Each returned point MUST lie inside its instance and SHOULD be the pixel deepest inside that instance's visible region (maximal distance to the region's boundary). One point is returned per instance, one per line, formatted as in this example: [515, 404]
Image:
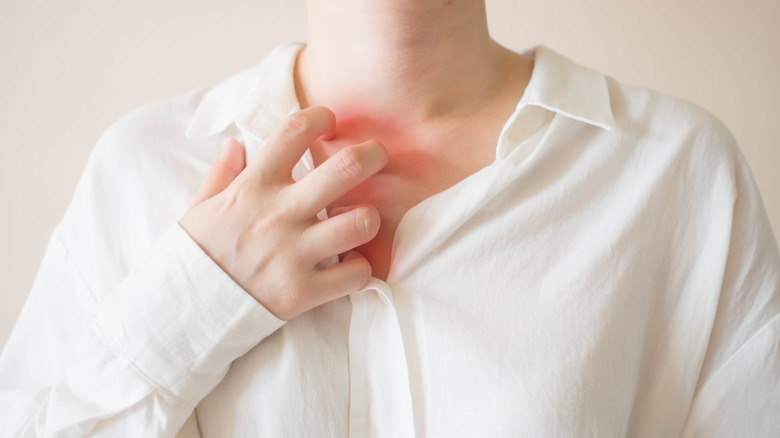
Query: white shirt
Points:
[611, 273]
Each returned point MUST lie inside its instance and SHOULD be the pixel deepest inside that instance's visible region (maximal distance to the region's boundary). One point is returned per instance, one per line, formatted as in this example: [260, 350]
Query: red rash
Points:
[393, 190]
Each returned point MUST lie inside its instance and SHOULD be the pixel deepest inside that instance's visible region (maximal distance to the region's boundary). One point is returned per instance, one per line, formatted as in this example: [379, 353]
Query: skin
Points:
[414, 86]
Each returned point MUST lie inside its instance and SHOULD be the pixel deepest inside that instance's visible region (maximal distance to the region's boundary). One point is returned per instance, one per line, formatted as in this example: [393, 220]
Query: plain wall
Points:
[69, 68]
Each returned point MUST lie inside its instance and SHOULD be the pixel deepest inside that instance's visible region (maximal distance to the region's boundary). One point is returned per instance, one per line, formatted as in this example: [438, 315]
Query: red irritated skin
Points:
[425, 79]
[393, 190]
[426, 155]
[388, 190]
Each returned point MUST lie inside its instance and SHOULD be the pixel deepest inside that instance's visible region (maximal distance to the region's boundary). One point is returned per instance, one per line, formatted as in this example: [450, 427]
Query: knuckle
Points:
[351, 162]
[237, 194]
[231, 198]
[261, 174]
[297, 124]
[289, 205]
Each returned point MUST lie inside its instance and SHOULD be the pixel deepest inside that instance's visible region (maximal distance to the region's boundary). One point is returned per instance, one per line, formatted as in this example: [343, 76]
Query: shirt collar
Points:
[568, 88]
[259, 98]
[256, 100]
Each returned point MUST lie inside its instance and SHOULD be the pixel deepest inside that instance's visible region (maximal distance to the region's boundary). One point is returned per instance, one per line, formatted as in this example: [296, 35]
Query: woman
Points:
[450, 239]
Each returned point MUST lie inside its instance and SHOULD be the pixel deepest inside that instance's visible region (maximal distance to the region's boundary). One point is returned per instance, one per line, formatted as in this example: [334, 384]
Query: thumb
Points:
[223, 171]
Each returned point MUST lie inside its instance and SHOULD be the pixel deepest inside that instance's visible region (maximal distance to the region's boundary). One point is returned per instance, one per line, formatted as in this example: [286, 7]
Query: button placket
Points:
[380, 398]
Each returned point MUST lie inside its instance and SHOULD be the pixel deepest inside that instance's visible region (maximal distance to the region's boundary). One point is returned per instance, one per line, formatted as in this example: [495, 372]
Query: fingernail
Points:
[368, 221]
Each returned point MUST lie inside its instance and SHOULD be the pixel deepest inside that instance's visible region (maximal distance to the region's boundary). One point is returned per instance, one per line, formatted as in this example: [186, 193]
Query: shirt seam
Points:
[109, 342]
[739, 350]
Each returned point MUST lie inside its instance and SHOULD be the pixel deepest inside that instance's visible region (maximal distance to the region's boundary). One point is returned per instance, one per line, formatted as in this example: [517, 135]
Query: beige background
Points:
[69, 68]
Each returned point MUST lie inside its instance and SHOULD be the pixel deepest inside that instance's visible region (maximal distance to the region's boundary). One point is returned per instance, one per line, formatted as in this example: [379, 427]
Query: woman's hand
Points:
[261, 228]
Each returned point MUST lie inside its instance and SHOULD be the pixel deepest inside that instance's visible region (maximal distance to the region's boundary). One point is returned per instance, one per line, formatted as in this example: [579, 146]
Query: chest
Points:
[495, 351]
[417, 169]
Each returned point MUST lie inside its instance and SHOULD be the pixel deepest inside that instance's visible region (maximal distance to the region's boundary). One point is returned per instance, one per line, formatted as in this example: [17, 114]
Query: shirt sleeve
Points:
[738, 393]
[135, 364]
[129, 323]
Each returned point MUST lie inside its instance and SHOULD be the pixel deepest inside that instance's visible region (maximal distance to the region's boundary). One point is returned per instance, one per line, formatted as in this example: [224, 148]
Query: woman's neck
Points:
[409, 61]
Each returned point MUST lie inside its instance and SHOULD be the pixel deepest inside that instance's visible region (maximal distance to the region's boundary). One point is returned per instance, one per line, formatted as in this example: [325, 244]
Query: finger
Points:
[341, 279]
[338, 175]
[341, 233]
[285, 147]
[335, 211]
[223, 171]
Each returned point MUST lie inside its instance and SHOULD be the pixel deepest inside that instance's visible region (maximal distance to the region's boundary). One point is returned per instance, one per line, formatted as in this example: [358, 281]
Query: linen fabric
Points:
[611, 273]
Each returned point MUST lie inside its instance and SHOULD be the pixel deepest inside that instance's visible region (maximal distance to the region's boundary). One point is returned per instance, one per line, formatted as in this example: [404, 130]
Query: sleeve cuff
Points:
[181, 320]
